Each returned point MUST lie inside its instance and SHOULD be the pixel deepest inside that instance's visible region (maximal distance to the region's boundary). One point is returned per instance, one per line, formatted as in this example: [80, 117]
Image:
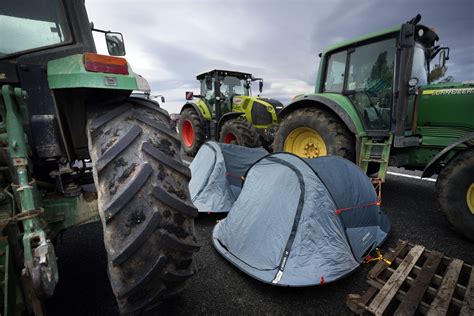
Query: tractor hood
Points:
[439, 115]
[261, 112]
[450, 85]
[275, 103]
[244, 101]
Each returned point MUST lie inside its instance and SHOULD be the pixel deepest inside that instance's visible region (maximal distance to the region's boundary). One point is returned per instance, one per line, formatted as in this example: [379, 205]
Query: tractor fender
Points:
[312, 100]
[190, 105]
[69, 72]
[200, 107]
[430, 168]
[226, 117]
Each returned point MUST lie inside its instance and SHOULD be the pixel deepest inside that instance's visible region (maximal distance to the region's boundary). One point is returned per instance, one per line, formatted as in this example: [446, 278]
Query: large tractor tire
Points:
[455, 190]
[143, 199]
[239, 132]
[190, 132]
[312, 132]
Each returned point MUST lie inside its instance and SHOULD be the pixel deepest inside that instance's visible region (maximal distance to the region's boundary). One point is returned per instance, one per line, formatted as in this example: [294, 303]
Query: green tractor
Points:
[374, 105]
[226, 111]
[76, 148]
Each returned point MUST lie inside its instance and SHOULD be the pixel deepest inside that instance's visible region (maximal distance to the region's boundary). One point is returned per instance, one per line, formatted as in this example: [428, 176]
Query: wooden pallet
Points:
[418, 282]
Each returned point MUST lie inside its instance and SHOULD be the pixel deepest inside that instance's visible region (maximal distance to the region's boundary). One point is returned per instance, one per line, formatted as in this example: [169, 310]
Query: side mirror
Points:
[115, 44]
[260, 86]
[189, 95]
[413, 86]
[208, 83]
[162, 99]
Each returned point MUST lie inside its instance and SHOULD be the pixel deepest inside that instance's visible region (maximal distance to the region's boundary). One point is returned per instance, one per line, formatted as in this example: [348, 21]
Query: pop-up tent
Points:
[216, 175]
[301, 222]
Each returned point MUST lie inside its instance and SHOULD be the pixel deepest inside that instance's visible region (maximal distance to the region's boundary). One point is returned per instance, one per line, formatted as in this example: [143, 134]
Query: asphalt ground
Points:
[221, 289]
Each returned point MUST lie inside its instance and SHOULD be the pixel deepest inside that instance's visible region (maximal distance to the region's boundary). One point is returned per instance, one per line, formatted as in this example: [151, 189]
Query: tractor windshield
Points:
[234, 86]
[27, 25]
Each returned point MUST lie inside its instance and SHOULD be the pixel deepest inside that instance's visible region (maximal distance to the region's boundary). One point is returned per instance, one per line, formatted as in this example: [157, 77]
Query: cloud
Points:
[170, 42]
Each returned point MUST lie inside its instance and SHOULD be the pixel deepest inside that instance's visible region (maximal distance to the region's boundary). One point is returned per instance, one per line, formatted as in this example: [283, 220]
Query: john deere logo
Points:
[449, 91]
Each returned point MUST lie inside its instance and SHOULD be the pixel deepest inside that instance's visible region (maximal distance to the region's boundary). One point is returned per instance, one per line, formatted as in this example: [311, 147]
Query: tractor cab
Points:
[380, 74]
[219, 87]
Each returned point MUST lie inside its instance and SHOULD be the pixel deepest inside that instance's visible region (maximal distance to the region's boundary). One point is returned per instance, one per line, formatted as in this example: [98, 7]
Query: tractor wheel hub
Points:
[311, 150]
[305, 142]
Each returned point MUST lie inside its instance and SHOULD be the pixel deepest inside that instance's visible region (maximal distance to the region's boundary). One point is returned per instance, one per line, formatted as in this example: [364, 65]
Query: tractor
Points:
[77, 148]
[227, 112]
[375, 105]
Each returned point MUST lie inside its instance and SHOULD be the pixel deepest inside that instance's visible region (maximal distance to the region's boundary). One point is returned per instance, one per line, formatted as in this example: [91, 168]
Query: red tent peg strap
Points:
[339, 211]
[378, 188]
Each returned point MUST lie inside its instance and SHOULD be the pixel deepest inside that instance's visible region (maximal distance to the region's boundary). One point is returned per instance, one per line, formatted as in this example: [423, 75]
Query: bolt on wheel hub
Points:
[311, 150]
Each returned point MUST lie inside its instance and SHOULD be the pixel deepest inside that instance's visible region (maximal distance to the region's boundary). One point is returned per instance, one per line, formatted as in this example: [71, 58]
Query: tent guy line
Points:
[410, 176]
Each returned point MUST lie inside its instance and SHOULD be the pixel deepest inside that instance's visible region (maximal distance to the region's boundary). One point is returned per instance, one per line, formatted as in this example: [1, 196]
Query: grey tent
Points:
[301, 222]
[216, 173]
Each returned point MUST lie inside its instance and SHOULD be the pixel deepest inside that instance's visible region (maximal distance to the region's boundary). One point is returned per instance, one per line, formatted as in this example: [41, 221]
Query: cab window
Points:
[209, 95]
[335, 72]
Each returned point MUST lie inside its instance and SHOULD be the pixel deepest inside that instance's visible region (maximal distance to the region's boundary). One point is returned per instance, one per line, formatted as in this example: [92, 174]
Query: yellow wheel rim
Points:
[470, 198]
[306, 143]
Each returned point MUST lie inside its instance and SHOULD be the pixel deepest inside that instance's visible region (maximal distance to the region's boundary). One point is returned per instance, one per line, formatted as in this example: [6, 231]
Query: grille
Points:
[260, 115]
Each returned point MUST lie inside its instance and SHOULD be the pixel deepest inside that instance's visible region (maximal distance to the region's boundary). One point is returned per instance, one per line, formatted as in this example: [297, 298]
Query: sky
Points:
[169, 42]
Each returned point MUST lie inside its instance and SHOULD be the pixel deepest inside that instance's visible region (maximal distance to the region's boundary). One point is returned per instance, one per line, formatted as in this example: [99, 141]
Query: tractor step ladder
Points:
[375, 152]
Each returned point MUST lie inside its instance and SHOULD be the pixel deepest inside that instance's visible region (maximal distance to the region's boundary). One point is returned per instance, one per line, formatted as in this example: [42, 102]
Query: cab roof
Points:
[357, 40]
[221, 72]
[380, 34]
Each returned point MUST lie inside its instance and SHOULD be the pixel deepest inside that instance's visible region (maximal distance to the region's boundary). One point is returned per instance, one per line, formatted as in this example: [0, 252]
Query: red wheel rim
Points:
[187, 133]
[229, 138]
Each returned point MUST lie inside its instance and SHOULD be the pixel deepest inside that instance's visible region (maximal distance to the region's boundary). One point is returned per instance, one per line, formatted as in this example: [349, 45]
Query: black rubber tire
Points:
[339, 140]
[193, 117]
[451, 188]
[143, 201]
[245, 133]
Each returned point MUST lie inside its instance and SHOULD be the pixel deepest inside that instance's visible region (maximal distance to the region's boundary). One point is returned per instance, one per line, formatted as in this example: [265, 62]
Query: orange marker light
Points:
[103, 63]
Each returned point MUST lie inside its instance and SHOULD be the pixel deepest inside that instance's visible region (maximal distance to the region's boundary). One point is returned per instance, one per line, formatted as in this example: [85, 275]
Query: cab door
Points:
[369, 83]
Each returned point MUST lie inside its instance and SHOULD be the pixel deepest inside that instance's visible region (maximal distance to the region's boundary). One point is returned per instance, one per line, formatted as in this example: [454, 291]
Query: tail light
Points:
[103, 63]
